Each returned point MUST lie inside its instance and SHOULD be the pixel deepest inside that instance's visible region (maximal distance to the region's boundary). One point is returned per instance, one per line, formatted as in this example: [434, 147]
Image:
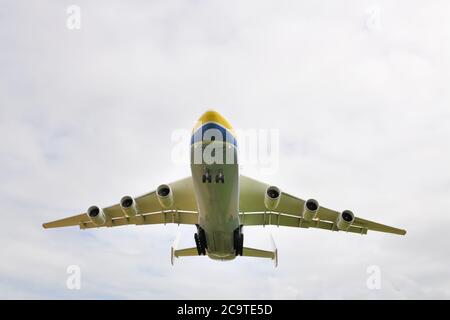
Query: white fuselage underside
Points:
[218, 203]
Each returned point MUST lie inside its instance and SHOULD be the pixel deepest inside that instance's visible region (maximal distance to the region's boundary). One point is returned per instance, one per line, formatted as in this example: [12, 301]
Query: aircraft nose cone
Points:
[214, 116]
[210, 115]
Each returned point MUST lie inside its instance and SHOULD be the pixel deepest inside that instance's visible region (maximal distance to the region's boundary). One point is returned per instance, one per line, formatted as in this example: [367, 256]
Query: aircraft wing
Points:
[290, 210]
[183, 211]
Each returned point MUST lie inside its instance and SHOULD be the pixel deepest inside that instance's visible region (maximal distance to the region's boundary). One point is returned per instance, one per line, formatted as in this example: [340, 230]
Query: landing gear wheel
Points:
[238, 242]
[206, 176]
[241, 245]
[200, 241]
[202, 238]
[197, 244]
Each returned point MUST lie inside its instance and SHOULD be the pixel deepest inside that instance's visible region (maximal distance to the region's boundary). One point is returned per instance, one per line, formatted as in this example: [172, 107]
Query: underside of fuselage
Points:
[215, 175]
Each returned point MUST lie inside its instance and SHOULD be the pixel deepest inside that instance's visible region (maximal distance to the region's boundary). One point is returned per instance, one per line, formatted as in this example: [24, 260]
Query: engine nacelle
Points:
[272, 198]
[345, 220]
[165, 196]
[96, 215]
[310, 209]
[129, 206]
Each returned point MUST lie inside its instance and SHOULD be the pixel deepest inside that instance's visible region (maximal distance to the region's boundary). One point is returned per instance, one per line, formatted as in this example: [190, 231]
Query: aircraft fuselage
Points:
[215, 175]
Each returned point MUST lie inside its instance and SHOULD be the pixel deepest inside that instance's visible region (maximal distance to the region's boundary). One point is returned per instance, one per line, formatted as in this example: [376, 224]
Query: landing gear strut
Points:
[200, 241]
[238, 241]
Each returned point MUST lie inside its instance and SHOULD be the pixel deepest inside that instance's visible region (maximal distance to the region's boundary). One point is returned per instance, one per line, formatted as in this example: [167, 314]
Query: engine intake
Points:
[129, 206]
[310, 209]
[96, 215]
[345, 220]
[165, 196]
[272, 198]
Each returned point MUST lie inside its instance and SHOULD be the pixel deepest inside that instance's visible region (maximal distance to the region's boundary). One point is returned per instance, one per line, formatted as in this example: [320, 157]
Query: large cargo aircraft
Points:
[219, 202]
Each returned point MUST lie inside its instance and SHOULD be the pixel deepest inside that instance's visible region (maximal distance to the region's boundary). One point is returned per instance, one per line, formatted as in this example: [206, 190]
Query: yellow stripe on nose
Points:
[213, 116]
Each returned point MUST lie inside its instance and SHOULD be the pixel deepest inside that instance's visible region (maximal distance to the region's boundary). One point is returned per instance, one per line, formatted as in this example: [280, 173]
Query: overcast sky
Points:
[359, 91]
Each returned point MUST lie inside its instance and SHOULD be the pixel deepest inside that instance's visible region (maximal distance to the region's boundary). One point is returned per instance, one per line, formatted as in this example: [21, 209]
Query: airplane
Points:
[219, 202]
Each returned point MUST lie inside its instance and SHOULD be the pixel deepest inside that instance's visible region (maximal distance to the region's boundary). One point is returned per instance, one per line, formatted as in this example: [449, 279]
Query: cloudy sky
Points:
[357, 89]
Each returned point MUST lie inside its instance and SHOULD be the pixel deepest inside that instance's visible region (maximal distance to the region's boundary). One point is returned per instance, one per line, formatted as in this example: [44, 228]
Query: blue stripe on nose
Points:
[226, 135]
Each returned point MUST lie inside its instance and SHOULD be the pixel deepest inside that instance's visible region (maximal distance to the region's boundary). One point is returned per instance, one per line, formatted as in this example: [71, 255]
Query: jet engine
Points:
[345, 220]
[165, 196]
[129, 206]
[96, 215]
[272, 198]
[310, 209]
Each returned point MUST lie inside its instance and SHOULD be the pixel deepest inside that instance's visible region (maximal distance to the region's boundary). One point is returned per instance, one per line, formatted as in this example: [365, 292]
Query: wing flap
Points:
[165, 217]
[162, 217]
[279, 219]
